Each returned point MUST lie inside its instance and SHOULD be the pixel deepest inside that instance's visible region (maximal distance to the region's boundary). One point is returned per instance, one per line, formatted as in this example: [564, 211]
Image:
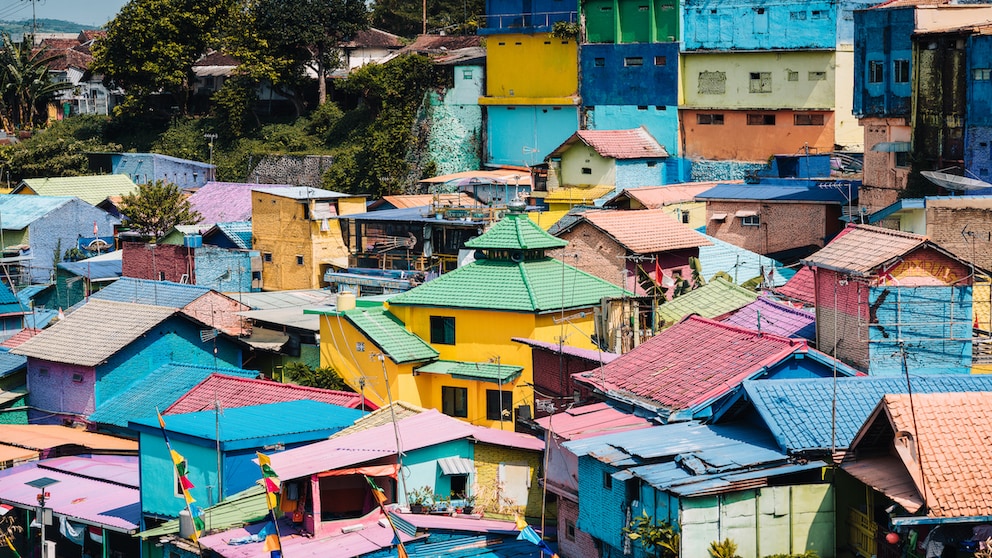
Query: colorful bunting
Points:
[182, 473]
[527, 533]
[380, 497]
[273, 545]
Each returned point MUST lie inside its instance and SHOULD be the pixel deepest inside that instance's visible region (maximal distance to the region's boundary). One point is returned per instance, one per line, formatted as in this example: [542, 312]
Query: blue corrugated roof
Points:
[94, 269]
[154, 293]
[10, 304]
[907, 203]
[243, 427]
[19, 210]
[159, 389]
[39, 319]
[28, 292]
[11, 363]
[829, 192]
[238, 231]
[798, 412]
[739, 263]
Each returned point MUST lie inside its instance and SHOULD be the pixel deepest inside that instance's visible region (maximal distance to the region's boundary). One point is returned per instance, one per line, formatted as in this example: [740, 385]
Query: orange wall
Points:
[735, 140]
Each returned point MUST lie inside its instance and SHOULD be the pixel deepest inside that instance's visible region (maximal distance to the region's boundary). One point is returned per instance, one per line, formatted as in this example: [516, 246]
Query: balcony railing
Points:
[523, 21]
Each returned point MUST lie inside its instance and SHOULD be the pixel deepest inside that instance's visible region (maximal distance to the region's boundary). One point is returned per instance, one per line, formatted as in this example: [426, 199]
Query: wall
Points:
[513, 60]
[940, 101]
[803, 93]
[281, 229]
[715, 171]
[56, 392]
[421, 469]
[736, 140]
[880, 169]
[841, 318]
[488, 458]
[296, 170]
[946, 220]
[61, 228]
[594, 252]
[167, 262]
[147, 167]
[978, 123]
[784, 226]
[351, 354]
[627, 21]
[526, 16]
[158, 484]
[430, 396]
[581, 545]
[225, 270]
[601, 509]
[454, 140]
[635, 74]
[661, 121]
[525, 135]
[632, 173]
[754, 25]
[578, 158]
[219, 311]
[847, 131]
[882, 36]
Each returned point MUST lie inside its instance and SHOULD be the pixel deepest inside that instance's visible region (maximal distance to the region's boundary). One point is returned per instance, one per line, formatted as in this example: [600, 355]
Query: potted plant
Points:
[469, 506]
[441, 503]
[420, 499]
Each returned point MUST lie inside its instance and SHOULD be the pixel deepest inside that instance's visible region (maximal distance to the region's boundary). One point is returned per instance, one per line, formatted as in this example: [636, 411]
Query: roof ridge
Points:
[891, 232]
[792, 342]
[228, 377]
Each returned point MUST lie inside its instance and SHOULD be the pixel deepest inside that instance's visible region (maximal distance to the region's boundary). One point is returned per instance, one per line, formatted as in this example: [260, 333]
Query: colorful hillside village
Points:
[672, 293]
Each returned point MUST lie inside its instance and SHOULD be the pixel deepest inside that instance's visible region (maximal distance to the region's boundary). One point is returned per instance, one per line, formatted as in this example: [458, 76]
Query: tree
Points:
[59, 150]
[156, 208]
[323, 378]
[24, 82]
[405, 17]
[661, 538]
[151, 46]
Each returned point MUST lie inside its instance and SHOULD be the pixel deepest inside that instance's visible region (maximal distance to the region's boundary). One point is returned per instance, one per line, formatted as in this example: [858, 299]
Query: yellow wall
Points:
[340, 349]
[350, 206]
[487, 460]
[532, 66]
[847, 131]
[801, 94]
[696, 210]
[580, 156]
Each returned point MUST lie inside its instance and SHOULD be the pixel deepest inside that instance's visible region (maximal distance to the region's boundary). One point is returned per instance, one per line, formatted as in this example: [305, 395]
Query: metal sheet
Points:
[456, 466]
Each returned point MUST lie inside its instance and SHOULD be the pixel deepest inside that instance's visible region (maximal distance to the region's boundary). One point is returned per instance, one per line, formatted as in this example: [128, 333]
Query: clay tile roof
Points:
[91, 34]
[373, 38]
[654, 197]
[953, 432]
[645, 232]
[232, 391]
[637, 143]
[20, 337]
[672, 370]
[216, 58]
[801, 287]
[439, 43]
[862, 248]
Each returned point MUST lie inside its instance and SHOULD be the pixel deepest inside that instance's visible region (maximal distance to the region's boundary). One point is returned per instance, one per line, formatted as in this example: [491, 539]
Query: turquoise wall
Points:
[661, 121]
[454, 141]
[420, 466]
[158, 485]
[526, 134]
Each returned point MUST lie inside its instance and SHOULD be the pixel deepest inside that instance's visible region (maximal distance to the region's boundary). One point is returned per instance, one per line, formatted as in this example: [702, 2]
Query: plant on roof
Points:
[566, 30]
[421, 496]
[723, 549]
[324, 377]
[813, 554]
[156, 208]
[661, 538]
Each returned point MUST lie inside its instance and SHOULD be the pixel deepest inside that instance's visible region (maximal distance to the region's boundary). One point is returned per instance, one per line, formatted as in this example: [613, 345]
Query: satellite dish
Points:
[98, 244]
[954, 182]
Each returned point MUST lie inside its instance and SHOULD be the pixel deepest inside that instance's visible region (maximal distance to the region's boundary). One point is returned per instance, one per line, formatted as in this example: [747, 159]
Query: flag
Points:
[380, 497]
[96, 534]
[272, 543]
[96, 230]
[182, 473]
[61, 314]
[196, 512]
[527, 533]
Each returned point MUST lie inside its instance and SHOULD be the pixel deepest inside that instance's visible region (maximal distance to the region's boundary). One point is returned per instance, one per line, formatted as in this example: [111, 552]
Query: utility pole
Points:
[34, 21]
[211, 137]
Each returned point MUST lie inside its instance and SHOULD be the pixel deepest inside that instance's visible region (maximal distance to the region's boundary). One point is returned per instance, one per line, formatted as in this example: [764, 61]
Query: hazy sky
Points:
[87, 12]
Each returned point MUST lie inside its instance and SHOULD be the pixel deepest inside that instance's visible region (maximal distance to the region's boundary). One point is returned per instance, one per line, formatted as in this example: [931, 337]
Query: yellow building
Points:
[448, 344]
[513, 60]
[294, 229]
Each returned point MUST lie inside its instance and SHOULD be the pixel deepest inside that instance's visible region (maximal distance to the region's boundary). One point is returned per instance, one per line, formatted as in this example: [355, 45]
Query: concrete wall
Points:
[488, 459]
[51, 388]
[880, 170]
[158, 262]
[225, 270]
[525, 135]
[61, 228]
[513, 61]
[847, 131]
[633, 173]
[712, 171]
[454, 141]
[630, 74]
[882, 36]
[149, 167]
[783, 226]
[582, 166]
[631, 21]
[754, 25]
[296, 170]
[661, 121]
[737, 140]
[601, 512]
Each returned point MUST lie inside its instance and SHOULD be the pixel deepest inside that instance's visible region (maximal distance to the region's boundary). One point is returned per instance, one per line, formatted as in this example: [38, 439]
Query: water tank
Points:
[185, 524]
[346, 301]
[193, 241]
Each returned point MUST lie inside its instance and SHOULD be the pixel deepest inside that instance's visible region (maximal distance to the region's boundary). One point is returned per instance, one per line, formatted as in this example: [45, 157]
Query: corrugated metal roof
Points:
[42, 437]
[83, 493]
[774, 317]
[480, 371]
[20, 337]
[291, 317]
[219, 202]
[157, 390]
[20, 211]
[587, 354]
[11, 363]
[802, 287]
[14, 453]
[154, 293]
[798, 412]
[643, 232]
[287, 299]
[656, 197]
[423, 200]
[301, 192]
[104, 266]
[743, 265]
[235, 391]
[94, 332]
[238, 509]
[636, 143]
[91, 189]
[456, 466]
[587, 421]
[713, 299]
[775, 192]
[386, 331]
[240, 427]
[515, 231]
[238, 231]
[862, 248]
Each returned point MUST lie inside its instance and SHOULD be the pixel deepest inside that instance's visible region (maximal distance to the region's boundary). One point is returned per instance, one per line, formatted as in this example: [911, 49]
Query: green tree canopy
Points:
[24, 83]
[156, 208]
[59, 150]
[406, 17]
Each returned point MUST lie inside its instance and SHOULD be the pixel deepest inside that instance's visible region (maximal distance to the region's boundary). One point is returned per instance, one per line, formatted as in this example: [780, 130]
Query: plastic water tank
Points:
[346, 301]
[193, 241]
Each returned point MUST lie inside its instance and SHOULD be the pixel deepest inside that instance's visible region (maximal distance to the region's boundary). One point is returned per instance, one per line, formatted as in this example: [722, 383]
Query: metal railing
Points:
[527, 20]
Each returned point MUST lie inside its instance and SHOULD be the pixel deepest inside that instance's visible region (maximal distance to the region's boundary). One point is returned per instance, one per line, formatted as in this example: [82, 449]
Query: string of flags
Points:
[527, 533]
[273, 544]
[380, 498]
[182, 473]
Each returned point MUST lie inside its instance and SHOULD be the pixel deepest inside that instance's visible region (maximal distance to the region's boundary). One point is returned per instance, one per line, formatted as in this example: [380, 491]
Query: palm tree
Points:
[24, 82]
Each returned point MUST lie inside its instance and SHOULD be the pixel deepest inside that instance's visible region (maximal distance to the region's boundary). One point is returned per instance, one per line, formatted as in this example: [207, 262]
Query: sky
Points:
[87, 12]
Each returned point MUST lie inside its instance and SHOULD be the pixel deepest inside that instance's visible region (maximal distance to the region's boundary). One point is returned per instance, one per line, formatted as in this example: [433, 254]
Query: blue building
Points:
[524, 135]
[149, 167]
[883, 62]
[527, 16]
[762, 25]
[978, 121]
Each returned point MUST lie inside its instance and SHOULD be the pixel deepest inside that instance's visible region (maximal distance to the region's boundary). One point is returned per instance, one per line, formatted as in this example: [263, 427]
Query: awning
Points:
[718, 217]
[891, 147]
[745, 213]
[456, 466]
[887, 475]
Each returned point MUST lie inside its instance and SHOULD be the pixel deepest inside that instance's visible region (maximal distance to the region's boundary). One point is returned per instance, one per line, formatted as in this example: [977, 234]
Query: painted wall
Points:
[708, 171]
[219, 311]
[783, 226]
[630, 74]
[940, 101]
[148, 167]
[527, 16]
[51, 387]
[525, 135]
[421, 467]
[226, 270]
[158, 262]
[880, 170]
[946, 217]
[882, 36]
[513, 60]
[735, 139]
[632, 173]
[847, 130]
[978, 123]
[631, 21]
[661, 121]
[723, 80]
[601, 509]
[454, 140]
[756, 24]
[489, 459]
[61, 228]
[158, 477]
[582, 166]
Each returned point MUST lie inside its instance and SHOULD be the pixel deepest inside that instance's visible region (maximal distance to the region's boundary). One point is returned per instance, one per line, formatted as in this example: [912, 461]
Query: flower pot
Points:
[416, 508]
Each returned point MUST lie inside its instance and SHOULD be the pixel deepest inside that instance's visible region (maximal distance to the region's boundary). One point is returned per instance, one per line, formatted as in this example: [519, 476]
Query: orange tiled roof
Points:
[645, 232]
[862, 248]
[637, 143]
[654, 197]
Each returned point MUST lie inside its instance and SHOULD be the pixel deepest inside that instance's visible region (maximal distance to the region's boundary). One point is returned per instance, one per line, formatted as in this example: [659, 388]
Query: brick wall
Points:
[52, 389]
[553, 372]
[784, 226]
[581, 545]
[594, 252]
[965, 231]
[601, 509]
[220, 311]
[837, 317]
[487, 460]
[168, 262]
[874, 198]
[882, 179]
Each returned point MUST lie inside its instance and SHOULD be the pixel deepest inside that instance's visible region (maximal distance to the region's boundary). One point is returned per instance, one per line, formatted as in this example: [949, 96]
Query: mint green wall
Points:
[420, 466]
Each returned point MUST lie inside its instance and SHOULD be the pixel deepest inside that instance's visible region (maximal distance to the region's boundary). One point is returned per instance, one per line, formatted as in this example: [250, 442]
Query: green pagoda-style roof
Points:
[386, 331]
[539, 286]
[515, 232]
[713, 299]
[481, 371]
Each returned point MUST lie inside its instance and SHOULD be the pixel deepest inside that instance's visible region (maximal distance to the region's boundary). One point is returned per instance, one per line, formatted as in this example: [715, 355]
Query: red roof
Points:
[20, 337]
[617, 144]
[644, 232]
[801, 287]
[231, 391]
[373, 38]
[591, 420]
[695, 361]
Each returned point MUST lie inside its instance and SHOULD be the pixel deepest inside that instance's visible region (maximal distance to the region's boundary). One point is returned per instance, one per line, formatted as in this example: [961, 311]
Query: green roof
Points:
[481, 371]
[386, 331]
[544, 285]
[247, 506]
[90, 189]
[713, 299]
[515, 232]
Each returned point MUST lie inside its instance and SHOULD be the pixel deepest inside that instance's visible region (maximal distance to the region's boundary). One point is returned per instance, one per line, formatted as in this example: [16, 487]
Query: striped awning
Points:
[456, 466]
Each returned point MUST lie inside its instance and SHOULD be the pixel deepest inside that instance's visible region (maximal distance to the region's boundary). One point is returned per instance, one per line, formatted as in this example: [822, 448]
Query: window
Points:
[806, 119]
[817, 76]
[684, 216]
[466, 74]
[586, 170]
[633, 61]
[652, 164]
[43, 372]
[981, 74]
[267, 256]
[77, 378]
[161, 276]
[454, 401]
[496, 411]
[607, 480]
[443, 330]
[761, 82]
[900, 71]
[751, 221]
[642, 107]
[712, 83]
[875, 74]
[761, 120]
[299, 260]
[793, 76]
[660, 61]
[459, 484]
[797, 16]
[642, 8]
[710, 119]
[759, 10]
[599, 62]
[819, 14]
[569, 530]
[902, 159]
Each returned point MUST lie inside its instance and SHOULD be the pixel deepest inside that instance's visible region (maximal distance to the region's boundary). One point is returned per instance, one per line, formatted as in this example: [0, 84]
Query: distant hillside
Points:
[17, 28]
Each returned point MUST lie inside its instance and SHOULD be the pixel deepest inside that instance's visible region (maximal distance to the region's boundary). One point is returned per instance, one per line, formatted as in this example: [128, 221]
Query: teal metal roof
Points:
[388, 333]
[10, 304]
[19, 211]
[248, 427]
[239, 509]
[709, 301]
[544, 285]
[238, 231]
[481, 371]
[154, 293]
[739, 263]
[159, 389]
[516, 232]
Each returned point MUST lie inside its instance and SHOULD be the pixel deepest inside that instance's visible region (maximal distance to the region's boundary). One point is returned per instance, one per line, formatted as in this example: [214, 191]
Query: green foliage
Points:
[807, 554]
[725, 549]
[405, 17]
[324, 378]
[423, 496]
[59, 150]
[156, 208]
[661, 538]
[289, 138]
[25, 83]
[184, 139]
[697, 272]
[324, 121]
[232, 107]
[566, 30]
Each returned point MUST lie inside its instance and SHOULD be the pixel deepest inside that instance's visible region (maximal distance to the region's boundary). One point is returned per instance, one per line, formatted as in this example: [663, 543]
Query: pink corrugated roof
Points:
[20, 337]
[427, 522]
[419, 431]
[591, 420]
[645, 232]
[673, 370]
[586, 354]
[801, 287]
[223, 202]
[232, 391]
